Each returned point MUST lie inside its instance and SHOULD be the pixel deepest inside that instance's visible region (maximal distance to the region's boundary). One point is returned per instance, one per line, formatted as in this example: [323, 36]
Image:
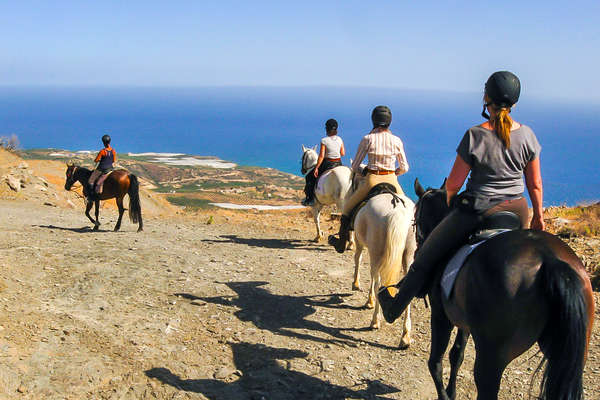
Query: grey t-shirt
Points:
[496, 170]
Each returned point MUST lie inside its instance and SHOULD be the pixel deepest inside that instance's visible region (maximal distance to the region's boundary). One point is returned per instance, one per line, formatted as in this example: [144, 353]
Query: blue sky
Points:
[441, 45]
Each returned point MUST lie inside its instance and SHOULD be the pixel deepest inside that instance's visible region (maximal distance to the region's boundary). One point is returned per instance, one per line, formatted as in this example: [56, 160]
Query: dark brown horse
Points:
[519, 288]
[117, 185]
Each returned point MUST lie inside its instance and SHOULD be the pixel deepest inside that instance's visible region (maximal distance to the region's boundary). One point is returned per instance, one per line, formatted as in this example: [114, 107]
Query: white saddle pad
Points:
[456, 262]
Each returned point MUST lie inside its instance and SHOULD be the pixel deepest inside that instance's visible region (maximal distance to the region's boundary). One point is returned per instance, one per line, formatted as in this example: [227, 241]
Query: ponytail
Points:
[502, 122]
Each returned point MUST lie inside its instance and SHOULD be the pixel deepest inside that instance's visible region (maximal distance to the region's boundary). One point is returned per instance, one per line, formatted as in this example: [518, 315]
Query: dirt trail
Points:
[244, 308]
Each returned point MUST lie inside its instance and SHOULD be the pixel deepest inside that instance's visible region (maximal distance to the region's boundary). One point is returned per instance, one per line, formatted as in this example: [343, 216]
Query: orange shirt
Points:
[104, 153]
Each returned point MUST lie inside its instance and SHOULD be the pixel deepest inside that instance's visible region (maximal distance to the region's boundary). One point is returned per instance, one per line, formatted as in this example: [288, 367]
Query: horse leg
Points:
[357, 259]
[121, 211]
[405, 340]
[88, 208]
[351, 241]
[457, 355]
[489, 366]
[97, 213]
[440, 336]
[372, 301]
[316, 209]
[407, 259]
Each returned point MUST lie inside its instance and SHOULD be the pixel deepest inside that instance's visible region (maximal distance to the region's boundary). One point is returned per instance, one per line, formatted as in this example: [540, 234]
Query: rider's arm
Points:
[458, 174]
[115, 155]
[402, 162]
[361, 152]
[99, 156]
[342, 150]
[319, 160]
[533, 180]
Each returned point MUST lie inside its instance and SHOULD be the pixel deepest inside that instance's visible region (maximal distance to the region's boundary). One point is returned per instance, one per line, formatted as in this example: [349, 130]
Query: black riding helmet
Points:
[331, 124]
[503, 89]
[106, 139]
[381, 116]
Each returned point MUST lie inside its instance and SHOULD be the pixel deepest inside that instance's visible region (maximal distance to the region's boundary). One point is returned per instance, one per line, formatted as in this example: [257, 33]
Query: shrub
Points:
[10, 143]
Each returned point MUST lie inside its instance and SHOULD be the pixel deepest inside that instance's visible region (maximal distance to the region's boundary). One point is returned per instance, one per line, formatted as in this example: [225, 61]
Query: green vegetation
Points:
[190, 202]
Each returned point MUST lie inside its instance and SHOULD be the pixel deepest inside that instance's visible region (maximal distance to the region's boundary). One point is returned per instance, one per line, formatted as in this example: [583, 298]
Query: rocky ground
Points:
[211, 305]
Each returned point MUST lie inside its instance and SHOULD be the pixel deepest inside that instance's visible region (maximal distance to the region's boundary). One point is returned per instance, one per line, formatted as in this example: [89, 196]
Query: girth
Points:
[380, 188]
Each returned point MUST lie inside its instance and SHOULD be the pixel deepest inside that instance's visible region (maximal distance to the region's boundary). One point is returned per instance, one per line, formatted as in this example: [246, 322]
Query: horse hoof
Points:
[375, 326]
[369, 306]
[140, 229]
[403, 346]
[356, 287]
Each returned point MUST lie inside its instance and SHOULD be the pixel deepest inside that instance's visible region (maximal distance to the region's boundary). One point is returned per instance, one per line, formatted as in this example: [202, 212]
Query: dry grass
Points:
[574, 221]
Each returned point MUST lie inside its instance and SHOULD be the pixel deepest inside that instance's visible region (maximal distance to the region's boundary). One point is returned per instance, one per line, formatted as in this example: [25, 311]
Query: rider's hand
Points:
[398, 171]
[537, 223]
[316, 173]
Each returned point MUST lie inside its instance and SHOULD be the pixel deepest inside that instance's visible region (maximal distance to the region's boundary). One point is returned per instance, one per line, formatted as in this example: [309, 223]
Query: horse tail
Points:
[564, 339]
[135, 209]
[395, 241]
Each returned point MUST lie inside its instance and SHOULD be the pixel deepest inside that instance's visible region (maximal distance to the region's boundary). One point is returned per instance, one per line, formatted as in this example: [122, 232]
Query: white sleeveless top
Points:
[333, 145]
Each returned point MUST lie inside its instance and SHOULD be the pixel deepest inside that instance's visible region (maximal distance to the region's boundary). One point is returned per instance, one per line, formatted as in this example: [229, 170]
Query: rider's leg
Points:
[92, 179]
[454, 229]
[309, 188]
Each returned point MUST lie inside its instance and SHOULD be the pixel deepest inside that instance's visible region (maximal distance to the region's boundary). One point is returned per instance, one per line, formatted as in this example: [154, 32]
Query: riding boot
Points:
[418, 277]
[344, 235]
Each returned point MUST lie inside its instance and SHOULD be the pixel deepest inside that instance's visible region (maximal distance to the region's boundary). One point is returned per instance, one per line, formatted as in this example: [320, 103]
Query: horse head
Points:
[309, 159]
[429, 210]
[71, 172]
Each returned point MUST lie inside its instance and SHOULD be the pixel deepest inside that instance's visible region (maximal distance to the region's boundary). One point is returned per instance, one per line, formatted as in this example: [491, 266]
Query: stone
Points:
[13, 183]
[224, 372]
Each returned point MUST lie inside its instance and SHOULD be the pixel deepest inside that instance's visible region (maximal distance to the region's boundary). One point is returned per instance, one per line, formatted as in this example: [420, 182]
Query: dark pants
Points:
[311, 181]
[446, 237]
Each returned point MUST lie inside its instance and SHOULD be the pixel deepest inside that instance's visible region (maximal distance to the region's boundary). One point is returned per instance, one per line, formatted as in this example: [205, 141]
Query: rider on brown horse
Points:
[105, 159]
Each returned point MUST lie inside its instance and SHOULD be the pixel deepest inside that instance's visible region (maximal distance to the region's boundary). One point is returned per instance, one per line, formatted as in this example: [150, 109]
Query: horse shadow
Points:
[85, 229]
[269, 243]
[286, 315]
[262, 375]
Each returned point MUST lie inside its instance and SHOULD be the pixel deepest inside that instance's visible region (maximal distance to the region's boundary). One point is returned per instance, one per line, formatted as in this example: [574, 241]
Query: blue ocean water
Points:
[267, 126]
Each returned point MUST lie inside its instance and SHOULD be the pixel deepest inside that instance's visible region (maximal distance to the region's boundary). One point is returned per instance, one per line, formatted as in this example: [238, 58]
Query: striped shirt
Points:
[383, 149]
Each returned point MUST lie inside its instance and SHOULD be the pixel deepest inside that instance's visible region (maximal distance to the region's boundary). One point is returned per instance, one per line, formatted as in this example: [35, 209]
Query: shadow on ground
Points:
[85, 229]
[269, 243]
[286, 315]
[260, 373]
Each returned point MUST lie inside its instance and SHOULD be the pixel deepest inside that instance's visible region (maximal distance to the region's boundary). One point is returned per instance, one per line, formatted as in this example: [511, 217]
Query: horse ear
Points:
[70, 163]
[418, 188]
[303, 149]
[315, 148]
[443, 187]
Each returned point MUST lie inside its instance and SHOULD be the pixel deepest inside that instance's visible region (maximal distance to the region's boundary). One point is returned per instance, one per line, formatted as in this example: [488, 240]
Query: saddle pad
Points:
[457, 261]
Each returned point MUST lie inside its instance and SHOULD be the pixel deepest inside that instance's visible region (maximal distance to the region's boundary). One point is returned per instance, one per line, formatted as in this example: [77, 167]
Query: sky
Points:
[426, 45]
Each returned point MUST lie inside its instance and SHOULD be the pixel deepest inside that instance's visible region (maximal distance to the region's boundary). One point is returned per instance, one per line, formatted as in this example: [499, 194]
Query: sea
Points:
[267, 126]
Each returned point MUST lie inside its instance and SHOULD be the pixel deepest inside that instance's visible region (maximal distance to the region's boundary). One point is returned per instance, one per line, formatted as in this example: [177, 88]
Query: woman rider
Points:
[330, 156]
[497, 153]
[105, 159]
[383, 149]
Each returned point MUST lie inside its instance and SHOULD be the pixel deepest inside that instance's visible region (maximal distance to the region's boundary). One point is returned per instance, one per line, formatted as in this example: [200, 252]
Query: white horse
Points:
[387, 231]
[332, 187]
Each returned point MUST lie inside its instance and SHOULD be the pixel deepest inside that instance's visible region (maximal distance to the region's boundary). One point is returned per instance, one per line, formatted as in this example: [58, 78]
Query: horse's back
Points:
[372, 220]
[500, 283]
[333, 185]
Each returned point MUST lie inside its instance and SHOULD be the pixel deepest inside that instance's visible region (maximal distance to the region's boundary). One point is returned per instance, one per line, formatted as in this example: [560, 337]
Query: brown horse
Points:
[516, 289]
[117, 185]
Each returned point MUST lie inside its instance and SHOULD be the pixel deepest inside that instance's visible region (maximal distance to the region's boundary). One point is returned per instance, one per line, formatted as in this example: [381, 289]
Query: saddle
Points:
[490, 226]
[98, 185]
[380, 188]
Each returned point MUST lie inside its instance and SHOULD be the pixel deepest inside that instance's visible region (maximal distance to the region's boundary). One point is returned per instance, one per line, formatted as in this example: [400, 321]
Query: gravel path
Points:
[236, 309]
